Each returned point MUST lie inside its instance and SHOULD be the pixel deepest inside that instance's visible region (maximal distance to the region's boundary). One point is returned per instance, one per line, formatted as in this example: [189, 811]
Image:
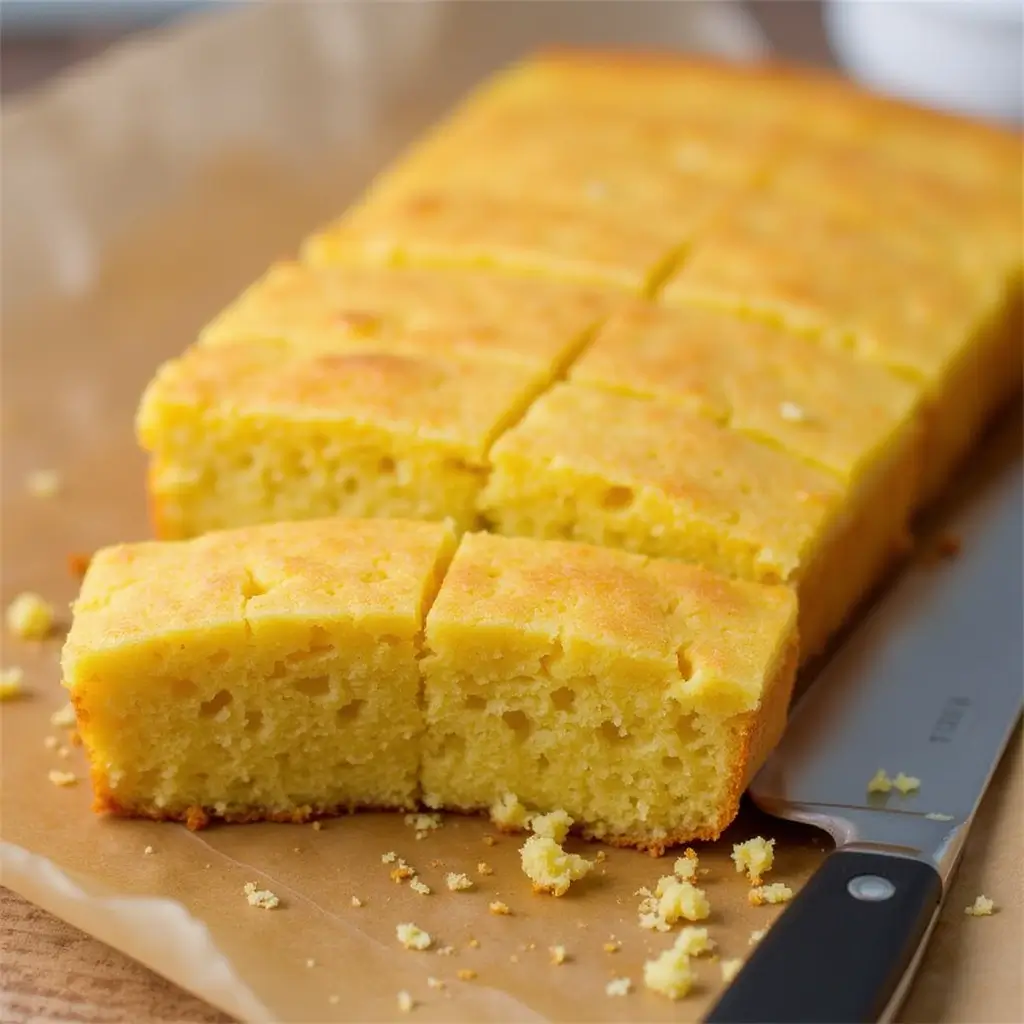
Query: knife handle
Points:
[842, 946]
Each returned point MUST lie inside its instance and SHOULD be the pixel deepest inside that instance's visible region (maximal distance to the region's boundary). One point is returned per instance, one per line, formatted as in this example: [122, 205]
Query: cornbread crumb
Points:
[405, 1002]
[694, 941]
[618, 987]
[509, 814]
[555, 825]
[730, 968]
[755, 856]
[601, 856]
[311, 962]
[483, 868]
[777, 892]
[388, 858]
[466, 974]
[686, 866]
[445, 950]
[549, 867]
[906, 783]
[936, 816]
[148, 850]
[981, 907]
[356, 901]
[612, 946]
[11, 683]
[473, 943]
[756, 936]
[30, 617]
[458, 882]
[43, 483]
[417, 886]
[262, 898]
[669, 973]
[424, 822]
[671, 900]
[317, 825]
[51, 742]
[558, 954]
[489, 840]
[436, 983]
[59, 778]
[64, 718]
[412, 937]
[880, 782]
[792, 413]
[499, 908]
[402, 871]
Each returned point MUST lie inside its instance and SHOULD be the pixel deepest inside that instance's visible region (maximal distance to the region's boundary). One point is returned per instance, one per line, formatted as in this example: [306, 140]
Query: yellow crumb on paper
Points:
[424, 822]
[509, 814]
[554, 826]
[30, 617]
[412, 937]
[669, 974]
[777, 892]
[694, 941]
[730, 968]
[685, 867]
[445, 950]
[618, 987]
[43, 483]
[262, 898]
[356, 901]
[549, 867]
[310, 962]
[435, 983]
[756, 936]
[12, 683]
[483, 868]
[59, 778]
[405, 1002]
[880, 782]
[755, 857]
[417, 886]
[671, 900]
[489, 840]
[981, 907]
[317, 826]
[466, 974]
[499, 908]
[64, 718]
[558, 954]
[473, 943]
[388, 858]
[612, 946]
[906, 783]
[148, 850]
[458, 882]
[402, 871]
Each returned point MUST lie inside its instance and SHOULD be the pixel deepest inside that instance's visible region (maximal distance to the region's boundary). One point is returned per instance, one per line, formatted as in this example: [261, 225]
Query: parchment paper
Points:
[138, 197]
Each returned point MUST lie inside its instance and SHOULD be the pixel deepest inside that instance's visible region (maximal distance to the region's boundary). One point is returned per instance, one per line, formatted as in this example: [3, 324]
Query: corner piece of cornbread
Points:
[637, 694]
[653, 477]
[262, 673]
[263, 431]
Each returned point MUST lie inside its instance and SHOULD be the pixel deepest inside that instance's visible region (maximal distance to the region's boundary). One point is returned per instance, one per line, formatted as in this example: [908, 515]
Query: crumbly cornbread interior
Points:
[263, 673]
[622, 689]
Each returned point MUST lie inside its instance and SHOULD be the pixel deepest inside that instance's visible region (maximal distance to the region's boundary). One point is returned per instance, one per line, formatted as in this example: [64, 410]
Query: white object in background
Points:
[960, 55]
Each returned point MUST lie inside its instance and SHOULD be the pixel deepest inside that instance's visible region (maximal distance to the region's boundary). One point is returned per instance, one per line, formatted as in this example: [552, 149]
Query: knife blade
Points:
[930, 684]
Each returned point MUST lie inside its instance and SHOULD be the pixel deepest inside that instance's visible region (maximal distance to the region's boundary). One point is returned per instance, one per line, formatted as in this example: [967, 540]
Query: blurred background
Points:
[964, 55]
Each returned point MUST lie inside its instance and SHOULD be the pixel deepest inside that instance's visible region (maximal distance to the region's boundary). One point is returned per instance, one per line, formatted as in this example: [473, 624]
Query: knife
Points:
[931, 685]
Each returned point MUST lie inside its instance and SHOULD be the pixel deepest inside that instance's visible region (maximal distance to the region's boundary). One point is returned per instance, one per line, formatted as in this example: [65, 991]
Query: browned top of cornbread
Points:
[460, 402]
[718, 641]
[417, 310]
[823, 405]
[352, 569]
[762, 499]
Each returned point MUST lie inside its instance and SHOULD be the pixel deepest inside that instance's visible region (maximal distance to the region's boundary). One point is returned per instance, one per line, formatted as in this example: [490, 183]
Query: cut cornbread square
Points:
[417, 310]
[264, 431]
[650, 476]
[939, 322]
[262, 673]
[636, 694]
[592, 239]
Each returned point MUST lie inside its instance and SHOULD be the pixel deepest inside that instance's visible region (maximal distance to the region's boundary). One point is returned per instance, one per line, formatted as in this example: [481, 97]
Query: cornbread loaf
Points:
[744, 317]
[637, 694]
[299, 669]
[269, 672]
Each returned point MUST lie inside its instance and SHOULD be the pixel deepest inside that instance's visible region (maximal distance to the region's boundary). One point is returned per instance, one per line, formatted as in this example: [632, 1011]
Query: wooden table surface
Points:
[50, 971]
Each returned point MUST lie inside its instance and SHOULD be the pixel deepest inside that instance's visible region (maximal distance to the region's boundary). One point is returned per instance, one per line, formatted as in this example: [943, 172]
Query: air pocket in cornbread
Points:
[265, 431]
[856, 420]
[268, 672]
[650, 476]
[637, 694]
